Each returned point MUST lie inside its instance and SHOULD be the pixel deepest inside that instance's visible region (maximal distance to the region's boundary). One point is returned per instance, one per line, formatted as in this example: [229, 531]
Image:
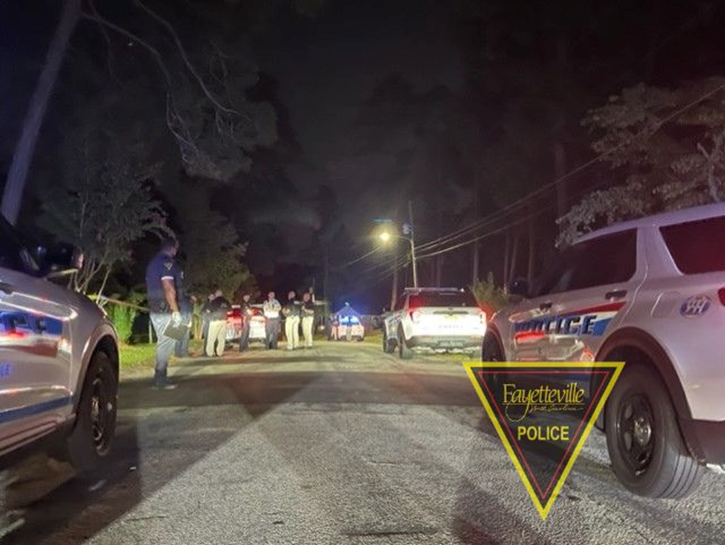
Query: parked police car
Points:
[58, 360]
[651, 293]
[434, 318]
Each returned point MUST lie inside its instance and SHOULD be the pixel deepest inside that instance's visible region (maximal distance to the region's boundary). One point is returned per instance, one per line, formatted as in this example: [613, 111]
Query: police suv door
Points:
[597, 291]
[529, 321]
[35, 346]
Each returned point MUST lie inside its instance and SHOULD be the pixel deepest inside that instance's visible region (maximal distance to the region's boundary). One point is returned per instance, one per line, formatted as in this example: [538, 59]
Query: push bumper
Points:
[705, 440]
[435, 342]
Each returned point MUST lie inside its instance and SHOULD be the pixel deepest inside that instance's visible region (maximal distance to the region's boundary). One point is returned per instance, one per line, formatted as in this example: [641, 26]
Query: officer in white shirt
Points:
[271, 309]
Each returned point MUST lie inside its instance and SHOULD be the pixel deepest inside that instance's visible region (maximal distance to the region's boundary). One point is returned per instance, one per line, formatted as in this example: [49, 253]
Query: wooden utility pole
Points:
[25, 146]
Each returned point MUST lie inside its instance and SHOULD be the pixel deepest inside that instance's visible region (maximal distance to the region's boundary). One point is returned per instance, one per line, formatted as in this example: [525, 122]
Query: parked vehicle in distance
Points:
[439, 319]
[58, 360]
[346, 325]
[649, 292]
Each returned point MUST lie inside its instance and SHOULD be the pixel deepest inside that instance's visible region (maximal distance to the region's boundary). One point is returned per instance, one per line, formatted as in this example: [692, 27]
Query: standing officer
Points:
[245, 310]
[308, 318]
[291, 312]
[163, 287]
[271, 308]
[219, 307]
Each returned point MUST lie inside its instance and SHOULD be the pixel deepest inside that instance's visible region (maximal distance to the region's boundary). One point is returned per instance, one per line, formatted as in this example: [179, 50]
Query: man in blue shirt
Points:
[164, 287]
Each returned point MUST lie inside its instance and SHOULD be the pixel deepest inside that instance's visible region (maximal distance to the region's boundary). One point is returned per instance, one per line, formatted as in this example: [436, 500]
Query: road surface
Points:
[340, 444]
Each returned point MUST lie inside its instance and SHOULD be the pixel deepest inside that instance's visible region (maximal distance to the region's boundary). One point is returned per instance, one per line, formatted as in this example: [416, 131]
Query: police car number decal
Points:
[697, 305]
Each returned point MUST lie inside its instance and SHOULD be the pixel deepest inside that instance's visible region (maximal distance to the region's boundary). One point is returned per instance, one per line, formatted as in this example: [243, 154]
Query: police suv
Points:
[434, 318]
[58, 359]
[649, 292]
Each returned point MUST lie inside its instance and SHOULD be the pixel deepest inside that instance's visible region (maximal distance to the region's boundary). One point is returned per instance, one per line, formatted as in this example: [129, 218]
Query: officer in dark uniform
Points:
[245, 310]
[164, 287]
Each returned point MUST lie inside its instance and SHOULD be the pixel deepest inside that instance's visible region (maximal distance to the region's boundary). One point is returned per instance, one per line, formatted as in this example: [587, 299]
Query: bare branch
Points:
[154, 52]
[182, 51]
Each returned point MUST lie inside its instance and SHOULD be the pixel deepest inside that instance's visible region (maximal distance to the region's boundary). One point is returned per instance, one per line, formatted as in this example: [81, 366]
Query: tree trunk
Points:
[475, 255]
[394, 290]
[25, 147]
[475, 258]
[439, 270]
[506, 262]
[532, 253]
[514, 258]
[326, 275]
[559, 172]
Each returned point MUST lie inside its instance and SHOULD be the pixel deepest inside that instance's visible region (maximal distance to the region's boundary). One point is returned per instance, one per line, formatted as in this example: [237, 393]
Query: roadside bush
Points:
[488, 295]
[122, 317]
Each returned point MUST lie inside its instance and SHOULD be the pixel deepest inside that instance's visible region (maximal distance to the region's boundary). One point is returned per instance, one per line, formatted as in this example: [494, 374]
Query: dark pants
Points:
[244, 338]
[182, 347]
[272, 330]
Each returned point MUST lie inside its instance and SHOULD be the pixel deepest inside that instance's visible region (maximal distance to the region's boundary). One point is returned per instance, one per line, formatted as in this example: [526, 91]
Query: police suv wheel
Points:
[90, 441]
[491, 350]
[404, 351]
[388, 345]
[647, 452]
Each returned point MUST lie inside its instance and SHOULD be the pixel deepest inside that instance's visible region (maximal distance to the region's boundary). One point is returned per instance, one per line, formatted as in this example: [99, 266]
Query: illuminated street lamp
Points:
[386, 236]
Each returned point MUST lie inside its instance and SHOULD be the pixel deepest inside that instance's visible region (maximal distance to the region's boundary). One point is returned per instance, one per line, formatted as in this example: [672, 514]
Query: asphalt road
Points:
[340, 444]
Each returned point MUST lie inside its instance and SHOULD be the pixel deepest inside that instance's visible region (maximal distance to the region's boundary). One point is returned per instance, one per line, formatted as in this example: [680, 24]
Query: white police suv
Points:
[58, 359]
[649, 292]
[434, 319]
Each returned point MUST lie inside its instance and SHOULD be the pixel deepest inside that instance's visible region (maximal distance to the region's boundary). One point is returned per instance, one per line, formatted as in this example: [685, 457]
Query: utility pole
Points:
[412, 243]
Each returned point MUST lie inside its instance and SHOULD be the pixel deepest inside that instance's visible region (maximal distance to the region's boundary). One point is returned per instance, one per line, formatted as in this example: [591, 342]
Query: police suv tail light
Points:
[721, 295]
[415, 316]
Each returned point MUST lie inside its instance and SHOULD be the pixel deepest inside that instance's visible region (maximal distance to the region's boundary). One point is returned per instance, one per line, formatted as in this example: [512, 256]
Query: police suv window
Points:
[610, 259]
[13, 254]
[697, 246]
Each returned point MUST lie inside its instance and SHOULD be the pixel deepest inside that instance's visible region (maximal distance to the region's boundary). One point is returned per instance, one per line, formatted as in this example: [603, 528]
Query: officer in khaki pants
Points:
[217, 336]
[308, 318]
[291, 311]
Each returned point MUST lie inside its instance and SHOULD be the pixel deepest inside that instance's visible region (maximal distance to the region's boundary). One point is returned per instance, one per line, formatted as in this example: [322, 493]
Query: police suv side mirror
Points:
[520, 288]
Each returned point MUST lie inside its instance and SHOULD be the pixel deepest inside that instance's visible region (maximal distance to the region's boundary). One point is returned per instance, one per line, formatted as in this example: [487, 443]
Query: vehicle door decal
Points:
[32, 410]
[30, 333]
[587, 321]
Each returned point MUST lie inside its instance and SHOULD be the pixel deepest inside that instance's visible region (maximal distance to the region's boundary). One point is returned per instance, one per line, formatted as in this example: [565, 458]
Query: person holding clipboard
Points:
[164, 287]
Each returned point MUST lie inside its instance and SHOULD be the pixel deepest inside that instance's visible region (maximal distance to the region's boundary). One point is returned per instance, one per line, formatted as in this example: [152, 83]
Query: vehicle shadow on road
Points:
[43, 501]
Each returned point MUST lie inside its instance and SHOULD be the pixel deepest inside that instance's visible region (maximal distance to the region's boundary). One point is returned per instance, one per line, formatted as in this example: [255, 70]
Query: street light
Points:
[385, 236]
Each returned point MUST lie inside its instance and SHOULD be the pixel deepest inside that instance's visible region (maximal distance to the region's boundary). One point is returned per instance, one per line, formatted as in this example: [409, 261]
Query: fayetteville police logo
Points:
[543, 413]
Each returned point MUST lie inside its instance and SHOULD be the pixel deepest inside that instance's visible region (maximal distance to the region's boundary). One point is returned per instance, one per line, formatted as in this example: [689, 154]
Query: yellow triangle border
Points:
[544, 509]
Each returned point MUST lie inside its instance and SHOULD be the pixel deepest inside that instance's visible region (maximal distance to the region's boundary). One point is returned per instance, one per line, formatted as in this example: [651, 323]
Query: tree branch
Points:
[154, 52]
[182, 51]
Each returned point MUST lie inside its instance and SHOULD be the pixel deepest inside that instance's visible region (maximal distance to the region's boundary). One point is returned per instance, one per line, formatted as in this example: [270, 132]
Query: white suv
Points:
[434, 318]
[58, 360]
[651, 293]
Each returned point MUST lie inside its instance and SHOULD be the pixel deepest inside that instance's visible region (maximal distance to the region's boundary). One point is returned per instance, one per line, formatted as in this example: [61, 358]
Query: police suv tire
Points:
[89, 443]
[491, 352]
[404, 351]
[491, 349]
[670, 472]
[388, 345]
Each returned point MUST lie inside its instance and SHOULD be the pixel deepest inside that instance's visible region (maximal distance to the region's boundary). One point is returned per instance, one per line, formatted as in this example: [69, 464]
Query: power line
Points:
[487, 220]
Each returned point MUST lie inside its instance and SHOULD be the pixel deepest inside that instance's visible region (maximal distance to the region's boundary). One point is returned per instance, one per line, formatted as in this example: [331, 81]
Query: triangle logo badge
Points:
[543, 413]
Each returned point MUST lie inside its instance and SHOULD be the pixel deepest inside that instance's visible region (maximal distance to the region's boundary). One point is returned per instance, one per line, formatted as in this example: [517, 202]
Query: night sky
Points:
[316, 189]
